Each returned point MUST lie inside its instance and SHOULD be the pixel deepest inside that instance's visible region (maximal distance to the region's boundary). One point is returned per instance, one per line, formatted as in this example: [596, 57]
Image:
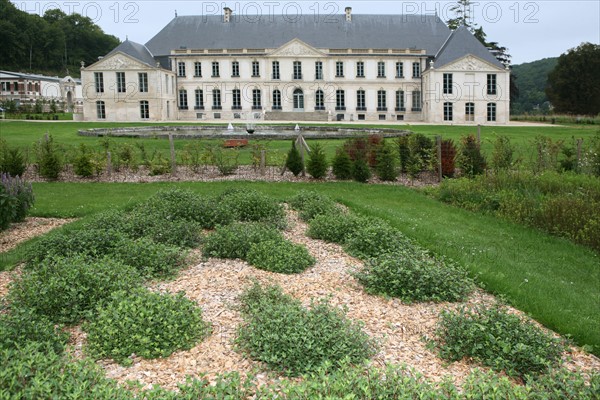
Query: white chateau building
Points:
[317, 68]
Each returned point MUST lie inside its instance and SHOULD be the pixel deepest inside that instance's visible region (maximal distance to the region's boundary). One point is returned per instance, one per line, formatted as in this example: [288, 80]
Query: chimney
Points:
[348, 14]
[226, 14]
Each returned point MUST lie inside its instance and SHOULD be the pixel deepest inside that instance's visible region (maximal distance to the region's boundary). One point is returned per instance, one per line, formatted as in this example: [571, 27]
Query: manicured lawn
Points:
[553, 280]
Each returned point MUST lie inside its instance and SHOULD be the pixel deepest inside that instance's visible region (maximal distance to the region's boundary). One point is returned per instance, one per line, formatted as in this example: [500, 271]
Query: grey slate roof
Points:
[135, 50]
[460, 43]
[269, 31]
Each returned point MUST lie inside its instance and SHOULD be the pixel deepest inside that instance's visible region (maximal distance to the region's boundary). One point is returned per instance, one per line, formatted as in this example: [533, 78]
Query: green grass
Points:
[552, 279]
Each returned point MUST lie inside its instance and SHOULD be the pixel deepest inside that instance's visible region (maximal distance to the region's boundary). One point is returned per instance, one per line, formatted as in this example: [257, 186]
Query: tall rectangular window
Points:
[297, 69]
[167, 83]
[100, 110]
[215, 69]
[98, 81]
[360, 69]
[199, 94]
[143, 82]
[276, 99]
[276, 70]
[448, 111]
[235, 69]
[198, 69]
[237, 99]
[340, 100]
[416, 100]
[381, 69]
[216, 97]
[318, 70]
[183, 100]
[256, 99]
[121, 85]
[491, 112]
[361, 104]
[381, 100]
[399, 69]
[447, 84]
[400, 100]
[255, 69]
[339, 69]
[470, 112]
[319, 100]
[416, 70]
[491, 84]
[144, 109]
[181, 69]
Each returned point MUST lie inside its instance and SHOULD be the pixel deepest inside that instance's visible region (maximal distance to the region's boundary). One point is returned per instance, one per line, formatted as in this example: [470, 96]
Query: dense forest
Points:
[531, 80]
[54, 44]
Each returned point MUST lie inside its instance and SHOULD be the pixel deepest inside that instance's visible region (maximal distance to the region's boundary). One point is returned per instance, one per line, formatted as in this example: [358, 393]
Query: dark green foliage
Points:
[360, 170]
[531, 79]
[502, 155]
[373, 238]
[48, 157]
[235, 240]
[12, 161]
[82, 164]
[294, 161]
[420, 148]
[176, 232]
[334, 227]
[591, 161]
[574, 85]
[317, 162]
[386, 163]
[498, 339]
[403, 153]
[413, 275]
[151, 325]
[309, 204]
[342, 165]
[291, 339]
[66, 289]
[280, 256]
[251, 205]
[152, 260]
[560, 383]
[470, 160]
[16, 198]
[173, 204]
[20, 327]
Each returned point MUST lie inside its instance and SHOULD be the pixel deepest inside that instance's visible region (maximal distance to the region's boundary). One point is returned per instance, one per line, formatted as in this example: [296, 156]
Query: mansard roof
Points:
[135, 50]
[460, 43]
[423, 32]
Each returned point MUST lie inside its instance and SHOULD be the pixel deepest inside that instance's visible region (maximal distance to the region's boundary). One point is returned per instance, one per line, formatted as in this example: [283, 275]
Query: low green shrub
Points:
[12, 161]
[251, 205]
[497, 339]
[280, 256]
[374, 237]
[149, 324]
[309, 204]
[66, 289]
[83, 164]
[361, 171]
[174, 204]
[413, 275]
[175, 232]
[341, 165]
[235, 240]
[152, 260]
[293, 161]
[317, 162]
[333, 227]
[50, 163]
[292, 339]
[387, 169]
[21, 327]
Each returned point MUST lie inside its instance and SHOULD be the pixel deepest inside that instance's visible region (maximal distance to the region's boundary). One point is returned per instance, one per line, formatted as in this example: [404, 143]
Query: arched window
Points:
[298, 100]
[276, 99]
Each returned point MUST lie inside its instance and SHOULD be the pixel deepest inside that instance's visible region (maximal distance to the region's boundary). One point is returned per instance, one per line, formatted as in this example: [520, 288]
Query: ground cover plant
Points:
[236, 239]
[310, 203]
[373, 238]
[292, 339]
[251, 205]
[334, 227]
[497, 339]
[280, 256]
[21, 327]
[148, 324]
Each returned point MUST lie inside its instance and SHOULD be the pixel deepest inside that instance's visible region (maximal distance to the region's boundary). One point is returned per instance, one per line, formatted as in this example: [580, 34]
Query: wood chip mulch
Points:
[215, 285]
[28, 229]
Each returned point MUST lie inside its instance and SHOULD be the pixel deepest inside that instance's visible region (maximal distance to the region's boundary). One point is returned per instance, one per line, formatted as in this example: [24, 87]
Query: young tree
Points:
[360, 170]
[386, 163]
[470, 160]
[317, 162]
[342, 165]
[294, 161]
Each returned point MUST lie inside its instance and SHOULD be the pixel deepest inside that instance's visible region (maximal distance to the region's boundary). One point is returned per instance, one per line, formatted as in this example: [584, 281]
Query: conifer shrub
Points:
[252, 206]
[361, 171]
[235, 240]
[50, 164]
[12, 161]
[341, 165]
[373, 238]
[66, 289]
[294, 161]
[82, 163]
[497, 339]
[403, 153]
[502, 155]
[333, 227]
[386, 163]
[413, 275]
[280, 256]
[309, 204]
[149, 324]
[317, 162]
[292, 339]
[470, 160]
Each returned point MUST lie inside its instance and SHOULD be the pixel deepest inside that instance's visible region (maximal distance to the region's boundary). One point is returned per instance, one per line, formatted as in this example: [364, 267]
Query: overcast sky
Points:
[531, 30]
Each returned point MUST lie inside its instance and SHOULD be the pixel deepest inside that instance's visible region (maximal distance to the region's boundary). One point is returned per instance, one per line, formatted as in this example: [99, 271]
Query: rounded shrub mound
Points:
[235, 240]
[148, 324]
[176, 232]
[498, 339]
[21, 327]
[413, 275]
[375, 237]
[333, 227]
[292, 339]
[152, 260]
[280, 256]
[251, 205]
[309, 204]
[65, 289]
